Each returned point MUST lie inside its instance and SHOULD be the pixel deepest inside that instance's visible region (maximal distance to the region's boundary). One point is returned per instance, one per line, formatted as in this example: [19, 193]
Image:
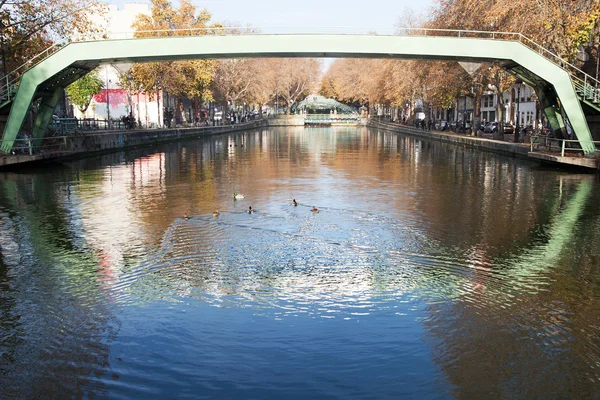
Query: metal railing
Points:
[46, 145]
[331, 118]
[586, 85]
[10, 81]
[546, 144]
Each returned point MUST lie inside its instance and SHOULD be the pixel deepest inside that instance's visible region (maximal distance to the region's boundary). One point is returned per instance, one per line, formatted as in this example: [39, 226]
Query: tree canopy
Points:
[27, 27]
[82, 90]
[191, 78]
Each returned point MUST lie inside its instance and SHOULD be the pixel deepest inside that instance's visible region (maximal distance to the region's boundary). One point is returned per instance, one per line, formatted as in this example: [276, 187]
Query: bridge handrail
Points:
[459, 32]
[586, 80]
[10, 80]
[547, 142]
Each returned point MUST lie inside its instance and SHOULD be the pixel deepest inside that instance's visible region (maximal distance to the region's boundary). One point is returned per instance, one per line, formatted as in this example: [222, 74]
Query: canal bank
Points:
[520, 150]
[93, 143]
[495, 146]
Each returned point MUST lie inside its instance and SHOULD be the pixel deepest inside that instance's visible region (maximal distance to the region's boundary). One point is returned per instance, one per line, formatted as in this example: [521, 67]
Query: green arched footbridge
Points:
[559, 93]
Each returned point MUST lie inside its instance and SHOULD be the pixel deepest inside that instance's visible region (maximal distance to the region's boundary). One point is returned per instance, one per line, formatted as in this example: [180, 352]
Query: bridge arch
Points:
[47, 79]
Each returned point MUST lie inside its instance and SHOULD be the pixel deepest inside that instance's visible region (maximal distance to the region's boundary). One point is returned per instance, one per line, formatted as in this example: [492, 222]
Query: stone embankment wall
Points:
[507, 148]
[135, 138]
[78, 146]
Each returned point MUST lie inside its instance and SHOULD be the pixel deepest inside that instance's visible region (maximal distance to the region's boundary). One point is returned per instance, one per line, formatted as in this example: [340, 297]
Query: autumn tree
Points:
[561, 26]
[29, 26]
[190, 78]
[500, 81]
[236, 80]
[296, 78]
[353, 80]
[264, 88]
[82, 90]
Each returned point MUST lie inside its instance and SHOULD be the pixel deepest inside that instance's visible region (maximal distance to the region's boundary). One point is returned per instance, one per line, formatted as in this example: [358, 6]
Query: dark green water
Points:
[431, 271]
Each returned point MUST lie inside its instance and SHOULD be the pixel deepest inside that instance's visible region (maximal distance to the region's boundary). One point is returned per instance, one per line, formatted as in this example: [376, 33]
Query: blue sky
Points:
[380, 16]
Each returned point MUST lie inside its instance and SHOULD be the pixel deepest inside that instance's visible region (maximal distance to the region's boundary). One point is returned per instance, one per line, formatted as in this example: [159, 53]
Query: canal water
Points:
[431, 271]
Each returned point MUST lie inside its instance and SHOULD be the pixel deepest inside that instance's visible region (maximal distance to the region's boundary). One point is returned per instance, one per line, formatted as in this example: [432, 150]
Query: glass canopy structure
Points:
[315, 104]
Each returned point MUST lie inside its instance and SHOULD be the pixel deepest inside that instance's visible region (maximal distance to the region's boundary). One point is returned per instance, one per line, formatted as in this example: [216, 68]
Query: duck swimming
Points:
[237, 196]
[250, 210]
[185, 216]
[294, 202]
[216, 213]
[314, 209]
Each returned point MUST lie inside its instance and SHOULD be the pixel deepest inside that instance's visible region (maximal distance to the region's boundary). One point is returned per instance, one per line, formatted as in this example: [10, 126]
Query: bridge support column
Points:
[18, 111]
[549, 105]
[44, 115]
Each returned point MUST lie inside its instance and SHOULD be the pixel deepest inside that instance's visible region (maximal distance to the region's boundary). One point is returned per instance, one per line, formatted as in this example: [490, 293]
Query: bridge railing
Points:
[546, 144]
[587, 86]
[10, 82]
[331, 117]
[47, 145]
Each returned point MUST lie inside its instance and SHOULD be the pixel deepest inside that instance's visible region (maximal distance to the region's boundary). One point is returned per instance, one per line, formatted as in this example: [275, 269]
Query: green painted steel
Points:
[44, 115]
[84, 56]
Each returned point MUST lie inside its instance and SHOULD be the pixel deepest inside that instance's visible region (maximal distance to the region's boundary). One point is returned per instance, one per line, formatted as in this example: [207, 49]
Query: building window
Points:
[484, 115]
[492, 116]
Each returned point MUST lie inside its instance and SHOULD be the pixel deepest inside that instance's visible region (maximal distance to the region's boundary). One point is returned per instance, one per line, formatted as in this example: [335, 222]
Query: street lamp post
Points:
[519, 82]
[464, 121]
[107, 99]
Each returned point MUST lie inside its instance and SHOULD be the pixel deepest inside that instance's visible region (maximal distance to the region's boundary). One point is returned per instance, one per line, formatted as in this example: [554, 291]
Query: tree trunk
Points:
[288, 101]
[180, 111]
[499, 134]
[476, 113]
[226, 112]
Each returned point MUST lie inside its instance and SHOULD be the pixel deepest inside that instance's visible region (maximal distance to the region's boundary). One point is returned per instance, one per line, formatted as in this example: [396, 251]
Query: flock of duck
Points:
[250, 210]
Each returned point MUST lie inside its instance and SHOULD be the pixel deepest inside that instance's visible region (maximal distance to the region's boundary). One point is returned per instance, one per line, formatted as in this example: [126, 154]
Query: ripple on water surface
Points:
[337, 263]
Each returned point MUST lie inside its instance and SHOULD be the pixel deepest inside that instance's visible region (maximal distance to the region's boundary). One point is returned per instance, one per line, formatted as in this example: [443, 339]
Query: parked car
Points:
[490, 127]
[509, 129]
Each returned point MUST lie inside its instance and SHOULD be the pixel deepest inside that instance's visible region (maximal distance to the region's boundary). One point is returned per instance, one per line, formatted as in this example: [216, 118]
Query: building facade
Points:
[113, 102]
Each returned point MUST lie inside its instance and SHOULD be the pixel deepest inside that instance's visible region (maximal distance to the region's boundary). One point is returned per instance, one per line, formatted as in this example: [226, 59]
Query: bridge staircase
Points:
[588, 93]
